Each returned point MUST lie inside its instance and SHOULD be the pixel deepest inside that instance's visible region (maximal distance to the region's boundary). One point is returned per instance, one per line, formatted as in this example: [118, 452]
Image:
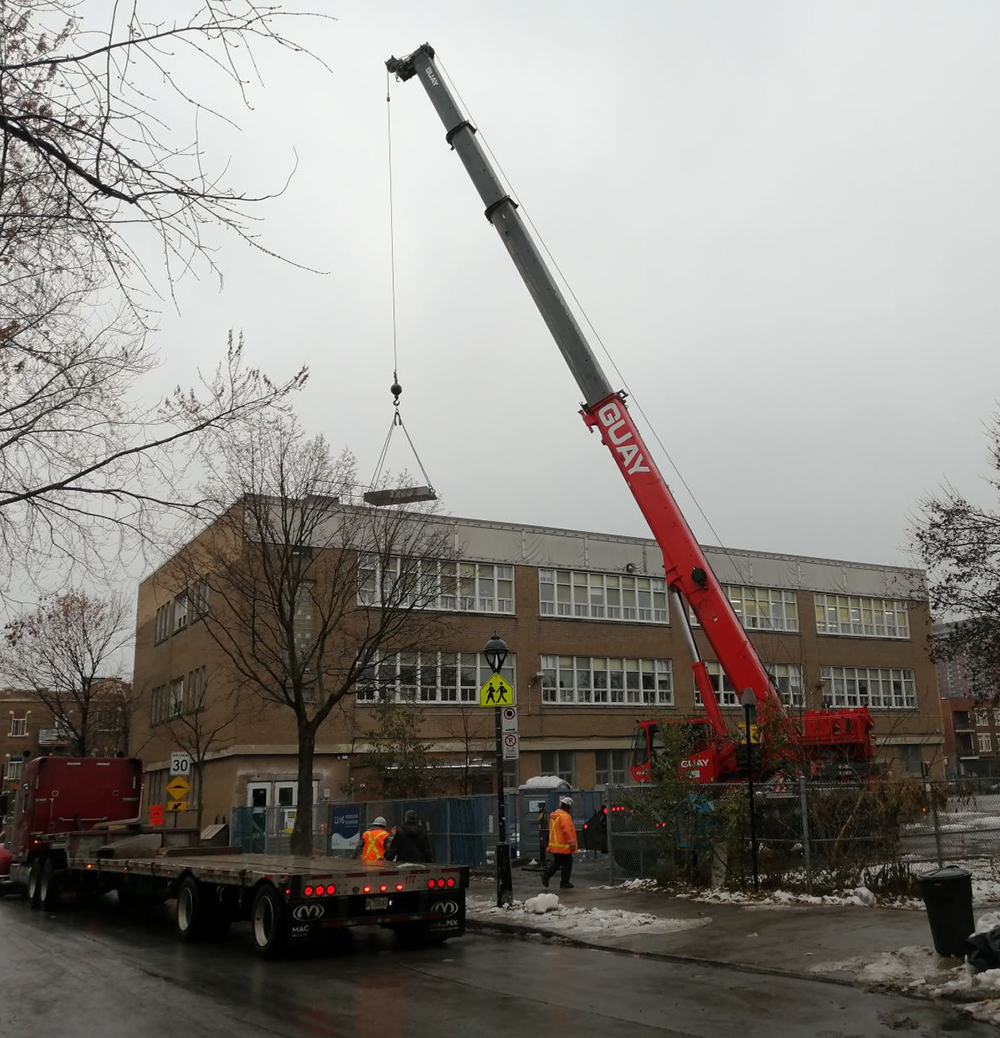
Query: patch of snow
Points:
[987, 921]
[545, 782]
[860, 896]
[905, 969]
[987, 1011]
[970, 987]
[577, 922]
[541, 903]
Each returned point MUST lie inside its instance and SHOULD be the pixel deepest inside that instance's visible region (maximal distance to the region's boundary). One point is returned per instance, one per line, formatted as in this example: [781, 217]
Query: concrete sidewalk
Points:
[800, 940]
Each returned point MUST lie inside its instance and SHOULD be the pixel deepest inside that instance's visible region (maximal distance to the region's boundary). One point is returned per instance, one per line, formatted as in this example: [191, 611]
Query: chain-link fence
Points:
[807, 835]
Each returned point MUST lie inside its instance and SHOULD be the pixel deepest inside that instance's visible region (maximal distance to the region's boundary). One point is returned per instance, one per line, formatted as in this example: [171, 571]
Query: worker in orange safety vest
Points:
[372, 844]
[562, 843]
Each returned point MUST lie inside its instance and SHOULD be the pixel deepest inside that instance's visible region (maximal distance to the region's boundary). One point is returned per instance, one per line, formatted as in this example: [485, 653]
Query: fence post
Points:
[607, 830]
[806, 849]
[937, 825]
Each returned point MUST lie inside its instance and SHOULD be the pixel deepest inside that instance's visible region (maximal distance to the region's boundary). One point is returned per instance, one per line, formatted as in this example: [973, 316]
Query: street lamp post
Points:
[749, 703]
[495, 653]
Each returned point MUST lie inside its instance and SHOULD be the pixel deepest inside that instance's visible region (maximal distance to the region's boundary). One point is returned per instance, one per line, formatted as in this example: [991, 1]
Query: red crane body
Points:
[819, 736]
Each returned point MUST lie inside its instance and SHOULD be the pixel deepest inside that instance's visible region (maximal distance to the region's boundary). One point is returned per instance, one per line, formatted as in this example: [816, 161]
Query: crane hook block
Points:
[396, 389]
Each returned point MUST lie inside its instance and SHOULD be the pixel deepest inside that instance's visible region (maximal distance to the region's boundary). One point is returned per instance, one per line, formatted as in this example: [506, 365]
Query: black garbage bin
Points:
[947, 893]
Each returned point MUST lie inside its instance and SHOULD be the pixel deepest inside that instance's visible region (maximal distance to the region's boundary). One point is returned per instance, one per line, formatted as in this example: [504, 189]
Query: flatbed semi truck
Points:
[75, 834]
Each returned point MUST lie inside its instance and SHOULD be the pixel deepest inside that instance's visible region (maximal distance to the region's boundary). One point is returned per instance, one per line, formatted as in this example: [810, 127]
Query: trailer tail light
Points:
[367, 890]
[308, 891]
[382, 889]
[430, 884]
[331, 889]
[451, 881]
[440, 882]
[399, 886]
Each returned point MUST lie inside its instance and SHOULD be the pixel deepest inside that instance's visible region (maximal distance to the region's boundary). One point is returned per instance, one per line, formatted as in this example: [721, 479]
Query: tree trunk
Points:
[302, 838]
[200, 802]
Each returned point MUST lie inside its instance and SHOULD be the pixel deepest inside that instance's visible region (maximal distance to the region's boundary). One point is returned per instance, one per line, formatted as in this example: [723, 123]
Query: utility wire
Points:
[392, 227]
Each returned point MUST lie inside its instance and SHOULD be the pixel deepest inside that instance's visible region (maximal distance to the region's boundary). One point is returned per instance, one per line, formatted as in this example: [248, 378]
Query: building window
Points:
[163, 622]
[14, 766]
[558, 762]
[462, 587]
[194, 692]
[985, 743]
[611, 767]
[786, 678]
[982, 718]
[909, 759]
[199, 600]
[572, 680]
[175, 706]
[430, 677]
[864, 617]
[996, 715]
[602, 596]
[304, 626]
[180, 611]
[18, 727]
[762, 608]
[880, 688]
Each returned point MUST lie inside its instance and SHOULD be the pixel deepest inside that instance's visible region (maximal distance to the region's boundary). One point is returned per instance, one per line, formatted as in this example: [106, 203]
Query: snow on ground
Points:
[907, 969]
[861, 896]
[545, 912]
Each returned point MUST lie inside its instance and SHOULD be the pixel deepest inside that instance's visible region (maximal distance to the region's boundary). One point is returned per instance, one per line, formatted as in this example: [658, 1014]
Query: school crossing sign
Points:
[496, 692]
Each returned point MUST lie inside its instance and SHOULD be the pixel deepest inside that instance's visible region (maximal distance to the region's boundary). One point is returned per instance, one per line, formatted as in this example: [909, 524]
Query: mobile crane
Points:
[818, 736]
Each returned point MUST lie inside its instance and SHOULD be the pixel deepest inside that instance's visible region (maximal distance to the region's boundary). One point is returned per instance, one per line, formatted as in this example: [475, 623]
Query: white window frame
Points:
[750, 603]
[870, 687]
[985, 742]
[455, 587]
[15, 768]
[787, 678]
[606, 681]
[860, 616]
[431, 678]
[18, 727]
[181, 611]
[982, 718]
[996, 715]
[163, 624]
[566, 774]
[175, 698]
[617, 597]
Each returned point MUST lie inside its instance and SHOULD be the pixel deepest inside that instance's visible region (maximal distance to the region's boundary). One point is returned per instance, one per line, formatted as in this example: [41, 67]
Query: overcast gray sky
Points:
[780, 216]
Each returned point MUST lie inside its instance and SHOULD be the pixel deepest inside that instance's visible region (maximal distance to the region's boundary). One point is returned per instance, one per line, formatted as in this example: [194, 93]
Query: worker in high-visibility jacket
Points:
[372, 844]
[562, 843]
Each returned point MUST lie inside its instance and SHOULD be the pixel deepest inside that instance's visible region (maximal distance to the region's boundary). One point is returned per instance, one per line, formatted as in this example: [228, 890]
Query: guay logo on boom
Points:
[624, 442]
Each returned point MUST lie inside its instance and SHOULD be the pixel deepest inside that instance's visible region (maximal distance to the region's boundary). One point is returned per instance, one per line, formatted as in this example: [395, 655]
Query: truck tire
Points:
[267, 923]
[34, 881]
[191, 911]
[48, 887]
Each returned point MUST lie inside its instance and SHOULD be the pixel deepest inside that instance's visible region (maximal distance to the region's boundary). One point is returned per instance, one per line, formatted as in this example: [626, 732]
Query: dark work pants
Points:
[563, 862]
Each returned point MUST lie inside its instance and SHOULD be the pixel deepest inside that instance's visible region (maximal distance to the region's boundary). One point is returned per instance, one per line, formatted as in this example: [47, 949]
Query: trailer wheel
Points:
[48, 887]
[191, 911]
[267, 923]
[34, 882]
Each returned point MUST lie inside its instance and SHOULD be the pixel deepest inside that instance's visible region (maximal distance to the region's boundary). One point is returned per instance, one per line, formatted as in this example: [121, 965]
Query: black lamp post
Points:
[749, 703]
[496, 652]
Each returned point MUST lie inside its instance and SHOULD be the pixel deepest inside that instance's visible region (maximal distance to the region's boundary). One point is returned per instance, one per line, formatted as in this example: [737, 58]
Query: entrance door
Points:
[259, 800]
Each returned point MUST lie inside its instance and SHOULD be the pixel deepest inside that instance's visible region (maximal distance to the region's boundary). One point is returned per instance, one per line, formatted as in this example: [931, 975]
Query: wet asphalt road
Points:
[101, 973]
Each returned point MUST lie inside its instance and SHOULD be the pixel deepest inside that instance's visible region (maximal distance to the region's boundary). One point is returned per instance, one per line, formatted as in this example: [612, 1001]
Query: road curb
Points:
[514, 930]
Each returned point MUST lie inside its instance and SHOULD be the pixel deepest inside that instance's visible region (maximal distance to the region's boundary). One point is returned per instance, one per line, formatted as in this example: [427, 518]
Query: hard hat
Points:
[568, 801]
[379, 821]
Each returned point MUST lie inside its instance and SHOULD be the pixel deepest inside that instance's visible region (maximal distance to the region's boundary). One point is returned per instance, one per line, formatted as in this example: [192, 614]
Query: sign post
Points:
[498, 695]
[178, 787]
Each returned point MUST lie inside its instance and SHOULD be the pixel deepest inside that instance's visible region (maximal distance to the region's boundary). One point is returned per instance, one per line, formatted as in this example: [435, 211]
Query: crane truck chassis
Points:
[75, 835]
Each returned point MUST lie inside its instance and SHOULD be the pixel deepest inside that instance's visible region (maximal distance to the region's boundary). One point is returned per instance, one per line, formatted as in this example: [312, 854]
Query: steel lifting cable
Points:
[396, 389]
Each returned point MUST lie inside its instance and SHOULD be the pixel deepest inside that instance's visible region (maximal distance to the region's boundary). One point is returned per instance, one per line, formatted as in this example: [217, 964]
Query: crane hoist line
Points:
[817, 741]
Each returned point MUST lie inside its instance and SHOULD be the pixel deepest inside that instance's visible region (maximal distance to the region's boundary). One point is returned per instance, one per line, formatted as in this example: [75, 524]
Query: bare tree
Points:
[64, 654]
[205, 725]
[473, 727]
[308, 596]
[959, 543]
[91, 164]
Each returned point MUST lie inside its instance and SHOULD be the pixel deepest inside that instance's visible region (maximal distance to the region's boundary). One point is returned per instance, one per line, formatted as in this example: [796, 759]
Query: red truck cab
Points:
[61, 795]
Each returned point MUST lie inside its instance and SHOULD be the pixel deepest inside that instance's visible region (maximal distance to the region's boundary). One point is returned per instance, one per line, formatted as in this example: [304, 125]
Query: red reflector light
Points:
[382, 889]
[451, 881]
[430, 883]
[367, 890]
[440, 882]
[399, 886]
[308, 891]
[331, 890]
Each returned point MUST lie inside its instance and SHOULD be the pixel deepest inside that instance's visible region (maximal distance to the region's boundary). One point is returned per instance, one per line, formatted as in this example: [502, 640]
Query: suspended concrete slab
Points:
[399, 496]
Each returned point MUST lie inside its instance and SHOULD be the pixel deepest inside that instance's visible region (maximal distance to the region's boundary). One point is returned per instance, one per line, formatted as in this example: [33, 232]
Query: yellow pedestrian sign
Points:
[177, 787]
[177, 805]
[497, 692]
